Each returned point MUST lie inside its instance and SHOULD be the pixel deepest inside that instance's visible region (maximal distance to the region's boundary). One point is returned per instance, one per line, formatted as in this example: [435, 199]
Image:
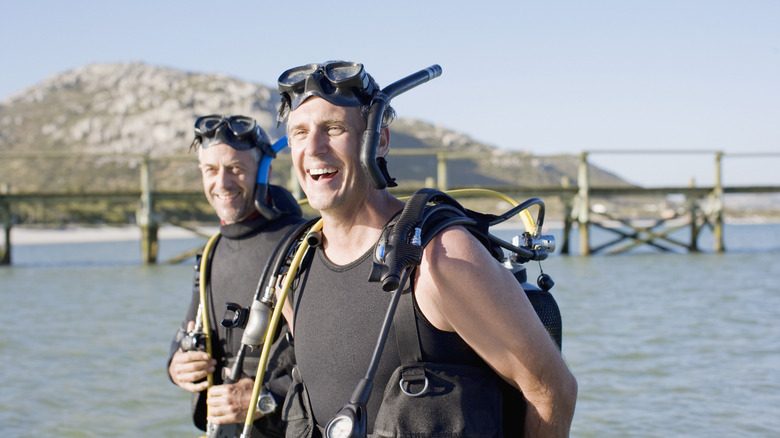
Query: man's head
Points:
[229, 150]
[327, 108]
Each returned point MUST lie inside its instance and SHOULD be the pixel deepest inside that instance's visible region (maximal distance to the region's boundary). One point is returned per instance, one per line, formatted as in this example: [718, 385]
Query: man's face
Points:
[324, 141]
[229, 181]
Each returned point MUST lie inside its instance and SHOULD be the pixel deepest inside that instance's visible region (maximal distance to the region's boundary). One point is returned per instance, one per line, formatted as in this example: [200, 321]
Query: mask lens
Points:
[208, 124]
[296, 76]
[241, 125]
[342, 72]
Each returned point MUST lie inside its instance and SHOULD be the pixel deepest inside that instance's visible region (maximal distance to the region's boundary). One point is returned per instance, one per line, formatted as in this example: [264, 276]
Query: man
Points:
[470, 310]
[229, 152]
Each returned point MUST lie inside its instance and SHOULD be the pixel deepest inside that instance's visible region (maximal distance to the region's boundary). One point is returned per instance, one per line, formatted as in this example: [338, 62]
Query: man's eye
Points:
[335, 130]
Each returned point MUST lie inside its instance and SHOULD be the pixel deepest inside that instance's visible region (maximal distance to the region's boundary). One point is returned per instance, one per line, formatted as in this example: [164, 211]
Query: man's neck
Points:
[347, 235]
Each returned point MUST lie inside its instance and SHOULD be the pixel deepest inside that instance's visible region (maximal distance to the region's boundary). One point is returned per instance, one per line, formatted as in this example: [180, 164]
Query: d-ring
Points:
[425, 388]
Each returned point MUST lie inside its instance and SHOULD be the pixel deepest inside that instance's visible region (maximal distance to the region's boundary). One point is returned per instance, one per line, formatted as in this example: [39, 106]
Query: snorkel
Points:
[261, 186]
[375, 166]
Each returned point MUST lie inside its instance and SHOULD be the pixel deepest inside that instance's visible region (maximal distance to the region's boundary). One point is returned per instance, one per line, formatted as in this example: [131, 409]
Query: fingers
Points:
[189, 370]
[229, 403]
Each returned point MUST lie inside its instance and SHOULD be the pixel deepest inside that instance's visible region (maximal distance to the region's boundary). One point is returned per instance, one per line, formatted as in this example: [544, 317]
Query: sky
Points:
[616, 78]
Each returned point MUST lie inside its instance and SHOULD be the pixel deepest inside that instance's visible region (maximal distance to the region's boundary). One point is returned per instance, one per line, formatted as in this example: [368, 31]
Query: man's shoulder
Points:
[453, 238]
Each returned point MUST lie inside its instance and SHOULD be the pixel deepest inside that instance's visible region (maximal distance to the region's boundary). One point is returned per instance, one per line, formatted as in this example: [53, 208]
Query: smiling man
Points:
[230, 149]
[472, 316]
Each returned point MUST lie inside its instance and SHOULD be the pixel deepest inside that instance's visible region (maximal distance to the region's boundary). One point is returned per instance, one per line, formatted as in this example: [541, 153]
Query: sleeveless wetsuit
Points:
[338, 317]
[237, 263]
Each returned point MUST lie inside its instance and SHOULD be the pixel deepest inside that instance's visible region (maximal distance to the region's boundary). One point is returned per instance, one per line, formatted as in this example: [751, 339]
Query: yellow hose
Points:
[272, 325]
[204, 266]
[525, 216]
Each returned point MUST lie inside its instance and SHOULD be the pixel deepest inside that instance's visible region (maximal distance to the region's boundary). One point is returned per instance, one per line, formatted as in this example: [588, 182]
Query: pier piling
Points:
[146, 218]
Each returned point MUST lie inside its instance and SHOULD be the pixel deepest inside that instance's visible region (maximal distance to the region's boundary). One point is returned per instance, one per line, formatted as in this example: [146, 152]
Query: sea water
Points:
[662, 345]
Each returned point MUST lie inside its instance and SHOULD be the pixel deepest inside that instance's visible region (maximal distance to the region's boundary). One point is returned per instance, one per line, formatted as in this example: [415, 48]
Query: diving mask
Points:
[239, 132]
[339, 82]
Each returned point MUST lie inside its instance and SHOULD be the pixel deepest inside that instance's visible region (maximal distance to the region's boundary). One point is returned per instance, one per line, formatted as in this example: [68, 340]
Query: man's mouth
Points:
[225, 196]
[323, 172]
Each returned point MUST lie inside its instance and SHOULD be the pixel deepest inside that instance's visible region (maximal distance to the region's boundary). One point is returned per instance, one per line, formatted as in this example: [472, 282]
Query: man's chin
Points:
[320, 203]
[230, 217]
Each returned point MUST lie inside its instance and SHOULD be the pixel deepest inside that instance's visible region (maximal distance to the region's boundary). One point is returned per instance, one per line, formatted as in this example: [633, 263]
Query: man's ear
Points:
[384, 142]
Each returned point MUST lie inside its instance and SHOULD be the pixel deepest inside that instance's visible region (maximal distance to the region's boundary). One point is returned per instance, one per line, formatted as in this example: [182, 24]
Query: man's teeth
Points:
[323, 171]
[226, 196]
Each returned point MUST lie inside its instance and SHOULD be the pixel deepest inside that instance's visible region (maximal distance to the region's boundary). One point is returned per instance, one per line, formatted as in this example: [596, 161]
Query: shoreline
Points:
[22, 235]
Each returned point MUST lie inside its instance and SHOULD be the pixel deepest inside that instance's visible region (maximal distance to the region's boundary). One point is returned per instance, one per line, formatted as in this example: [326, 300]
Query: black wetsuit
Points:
[338, 316]
[237, 262]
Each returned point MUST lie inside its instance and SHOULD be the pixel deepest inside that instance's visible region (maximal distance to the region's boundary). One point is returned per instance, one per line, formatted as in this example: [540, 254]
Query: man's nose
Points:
[316, 143]
[224, 178]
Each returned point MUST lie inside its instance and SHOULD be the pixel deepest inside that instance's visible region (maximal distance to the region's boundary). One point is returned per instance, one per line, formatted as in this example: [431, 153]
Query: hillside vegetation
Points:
[86, 130]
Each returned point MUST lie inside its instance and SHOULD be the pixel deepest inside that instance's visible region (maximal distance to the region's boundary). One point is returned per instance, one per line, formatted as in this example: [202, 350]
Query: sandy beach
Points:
[21, 235]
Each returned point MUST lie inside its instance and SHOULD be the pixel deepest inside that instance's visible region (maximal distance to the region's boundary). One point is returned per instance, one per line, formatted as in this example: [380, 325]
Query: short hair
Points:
[256, 153]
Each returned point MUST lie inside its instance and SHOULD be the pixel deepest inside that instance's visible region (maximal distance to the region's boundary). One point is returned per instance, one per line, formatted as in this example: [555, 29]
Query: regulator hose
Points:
[257, 323]
[525, 216]
[274, 323]
[204, 267]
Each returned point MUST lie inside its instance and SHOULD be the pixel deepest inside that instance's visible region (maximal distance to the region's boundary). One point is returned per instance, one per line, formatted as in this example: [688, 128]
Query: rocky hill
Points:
[114, 112]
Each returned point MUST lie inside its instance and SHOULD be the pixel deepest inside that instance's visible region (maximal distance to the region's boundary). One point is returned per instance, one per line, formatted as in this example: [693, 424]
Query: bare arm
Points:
[462, 288]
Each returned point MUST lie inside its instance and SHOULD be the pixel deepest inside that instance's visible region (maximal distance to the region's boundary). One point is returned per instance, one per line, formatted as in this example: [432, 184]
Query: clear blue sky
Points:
[545, 76]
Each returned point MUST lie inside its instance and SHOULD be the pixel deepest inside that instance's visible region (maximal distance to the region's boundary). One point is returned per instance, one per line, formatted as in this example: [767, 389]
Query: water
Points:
[662, 344]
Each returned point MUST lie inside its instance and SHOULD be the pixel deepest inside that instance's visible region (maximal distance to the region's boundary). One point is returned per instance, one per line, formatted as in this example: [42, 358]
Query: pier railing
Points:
[703, 206]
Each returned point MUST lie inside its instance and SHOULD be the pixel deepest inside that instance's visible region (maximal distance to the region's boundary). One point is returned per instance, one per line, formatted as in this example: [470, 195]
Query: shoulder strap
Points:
[406, 333]
[426, 213]
[413, 380]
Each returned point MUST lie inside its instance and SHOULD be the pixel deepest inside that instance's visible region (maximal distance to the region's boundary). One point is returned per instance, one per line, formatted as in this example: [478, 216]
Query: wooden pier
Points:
[703, 207]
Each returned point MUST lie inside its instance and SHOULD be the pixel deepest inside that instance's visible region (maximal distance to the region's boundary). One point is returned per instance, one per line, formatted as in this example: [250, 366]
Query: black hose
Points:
[370, 140]
[278, 257]
[520, 207]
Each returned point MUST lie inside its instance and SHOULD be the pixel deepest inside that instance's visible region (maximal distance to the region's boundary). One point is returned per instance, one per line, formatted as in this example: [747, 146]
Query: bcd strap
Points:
[408, 340]
[397, 249]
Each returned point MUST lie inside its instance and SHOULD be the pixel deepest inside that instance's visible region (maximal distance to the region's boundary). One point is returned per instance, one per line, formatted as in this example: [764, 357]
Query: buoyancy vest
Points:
[337, 318]
[460, 396]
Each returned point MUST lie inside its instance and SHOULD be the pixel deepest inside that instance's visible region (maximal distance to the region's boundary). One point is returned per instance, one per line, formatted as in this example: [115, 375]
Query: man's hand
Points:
[229, 403]
[189, 370]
